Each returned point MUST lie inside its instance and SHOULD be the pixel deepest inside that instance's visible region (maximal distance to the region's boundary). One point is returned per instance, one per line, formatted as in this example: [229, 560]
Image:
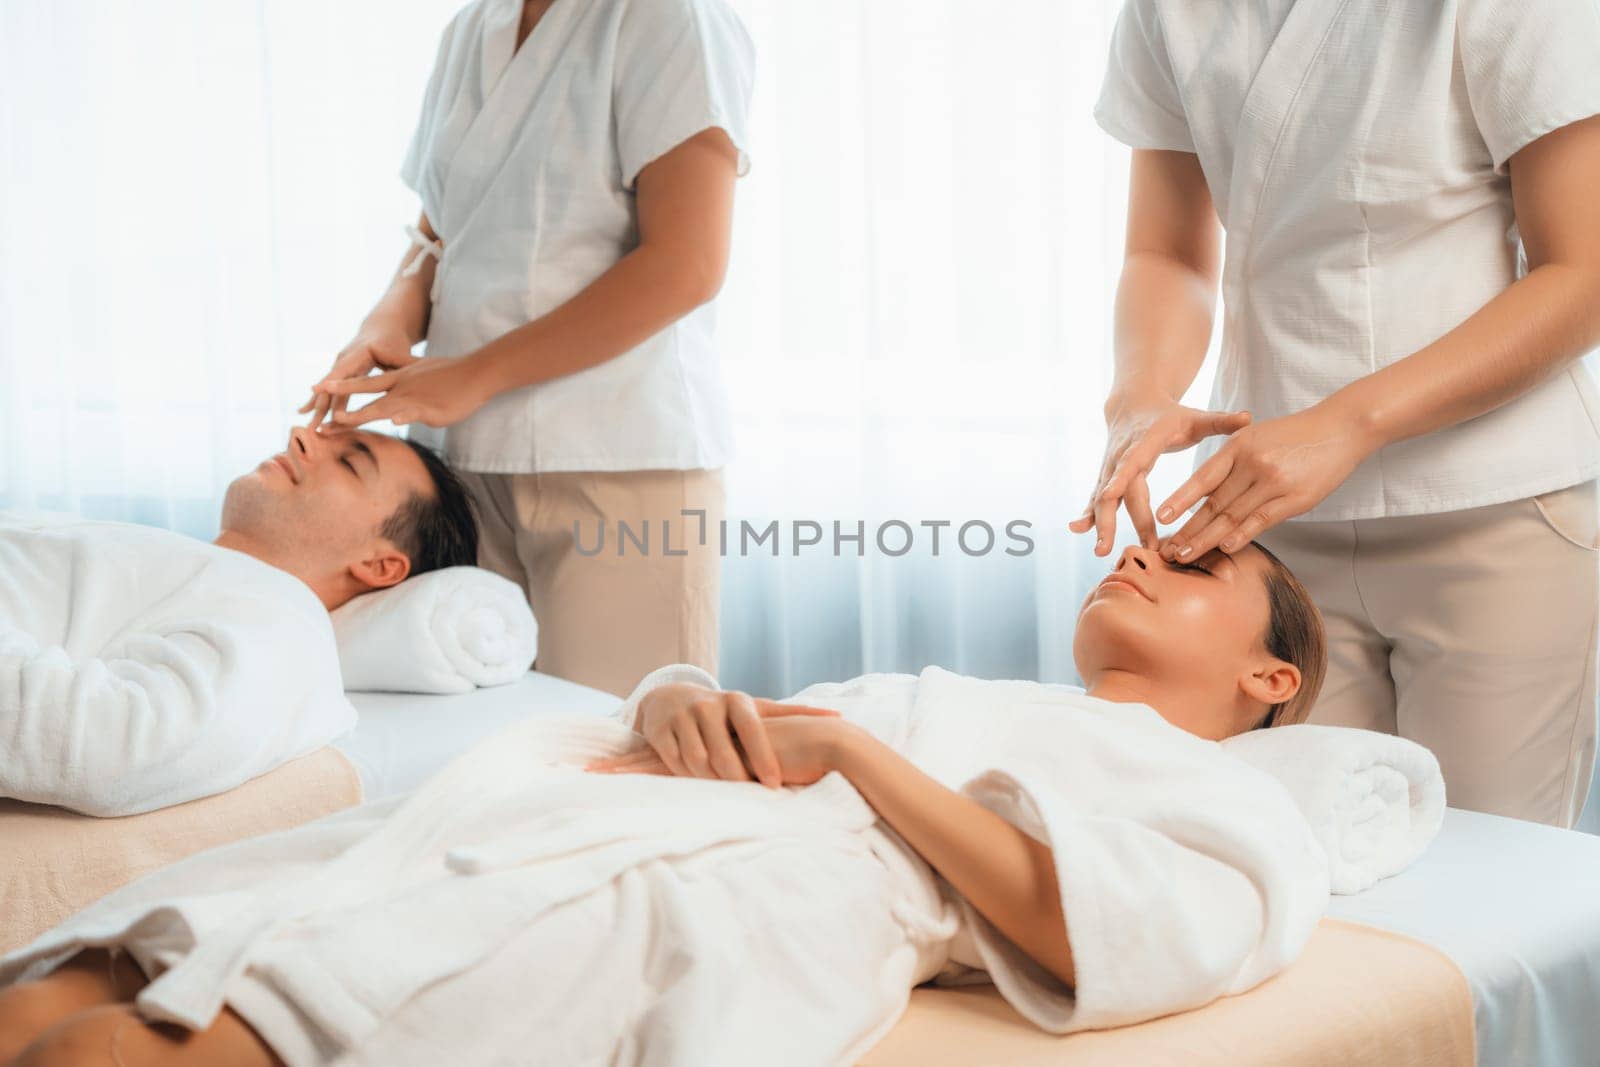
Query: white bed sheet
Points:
[402, 738]
[1517, 906]
[1514, 904]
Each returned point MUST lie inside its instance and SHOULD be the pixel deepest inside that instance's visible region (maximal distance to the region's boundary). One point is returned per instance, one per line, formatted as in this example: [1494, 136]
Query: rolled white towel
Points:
[447, 631]
[1374, 800]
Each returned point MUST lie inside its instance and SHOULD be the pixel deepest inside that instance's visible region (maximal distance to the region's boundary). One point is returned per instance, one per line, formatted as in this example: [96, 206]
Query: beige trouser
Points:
[1472, 633]
[608, 618]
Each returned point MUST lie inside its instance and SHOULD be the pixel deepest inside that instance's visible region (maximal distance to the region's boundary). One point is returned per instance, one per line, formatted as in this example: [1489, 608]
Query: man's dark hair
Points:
[437, 532]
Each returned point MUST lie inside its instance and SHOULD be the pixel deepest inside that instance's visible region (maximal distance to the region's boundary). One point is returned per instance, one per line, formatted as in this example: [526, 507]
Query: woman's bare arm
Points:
[1009, 877]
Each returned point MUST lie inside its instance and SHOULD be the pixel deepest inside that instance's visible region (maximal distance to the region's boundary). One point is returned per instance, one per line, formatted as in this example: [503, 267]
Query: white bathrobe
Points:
[519, 910]
[140, 668]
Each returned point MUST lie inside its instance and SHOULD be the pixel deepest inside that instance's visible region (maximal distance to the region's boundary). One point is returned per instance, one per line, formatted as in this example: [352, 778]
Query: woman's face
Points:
[1195, 628]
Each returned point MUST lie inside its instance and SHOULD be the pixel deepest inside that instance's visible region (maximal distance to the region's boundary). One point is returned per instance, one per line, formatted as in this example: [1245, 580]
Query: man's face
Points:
[321, 502]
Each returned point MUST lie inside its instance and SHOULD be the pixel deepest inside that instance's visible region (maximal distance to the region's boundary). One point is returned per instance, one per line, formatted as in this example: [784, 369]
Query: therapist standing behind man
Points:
[576, 162]
[1411, 198]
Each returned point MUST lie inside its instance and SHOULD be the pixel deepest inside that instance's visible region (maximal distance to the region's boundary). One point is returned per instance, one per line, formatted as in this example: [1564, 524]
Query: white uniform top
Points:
[1356, 153]
[525, 160]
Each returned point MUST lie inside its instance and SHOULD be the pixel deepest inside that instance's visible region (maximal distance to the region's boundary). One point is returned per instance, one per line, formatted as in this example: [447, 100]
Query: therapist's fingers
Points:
[1108, 463]
[324, 406]
[1203, 424]
[1222, 503]
[383, 408]
[1261, 507]
[375, 383]
[1201, 484]
[1261, 519]
[1134, 466]
[758, 751]
[1221, 522]
[1137, 501]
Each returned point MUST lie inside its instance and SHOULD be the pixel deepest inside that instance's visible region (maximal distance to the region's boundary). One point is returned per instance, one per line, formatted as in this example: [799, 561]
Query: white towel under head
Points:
[447, 631]
[1375, 801]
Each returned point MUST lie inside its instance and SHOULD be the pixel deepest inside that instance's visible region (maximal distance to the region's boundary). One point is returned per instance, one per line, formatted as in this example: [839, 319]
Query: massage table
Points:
[54, 862]
[1486, 950]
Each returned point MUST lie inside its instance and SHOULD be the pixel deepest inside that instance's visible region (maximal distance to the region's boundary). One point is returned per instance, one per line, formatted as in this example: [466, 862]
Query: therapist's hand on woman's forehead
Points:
[1261, 476]
[1142, 427]
[1265, 473]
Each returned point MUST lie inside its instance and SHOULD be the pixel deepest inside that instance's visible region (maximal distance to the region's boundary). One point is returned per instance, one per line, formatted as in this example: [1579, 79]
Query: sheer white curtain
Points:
[201, 202]
[917, 331]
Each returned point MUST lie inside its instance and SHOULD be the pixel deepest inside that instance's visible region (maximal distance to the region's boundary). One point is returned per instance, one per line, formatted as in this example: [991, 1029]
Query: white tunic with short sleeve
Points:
[525, 160]
[1356, 152]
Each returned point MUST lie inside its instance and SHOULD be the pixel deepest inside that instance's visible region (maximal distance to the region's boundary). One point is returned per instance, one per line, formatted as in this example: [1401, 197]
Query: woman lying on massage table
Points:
[1095, 853]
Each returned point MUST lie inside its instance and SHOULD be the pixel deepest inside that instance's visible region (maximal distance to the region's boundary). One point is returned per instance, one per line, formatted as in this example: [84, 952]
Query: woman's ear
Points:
[383, 568]
[1273, 682]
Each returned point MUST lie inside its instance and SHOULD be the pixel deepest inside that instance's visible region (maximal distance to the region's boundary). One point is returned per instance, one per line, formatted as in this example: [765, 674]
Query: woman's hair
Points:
[1295, 635]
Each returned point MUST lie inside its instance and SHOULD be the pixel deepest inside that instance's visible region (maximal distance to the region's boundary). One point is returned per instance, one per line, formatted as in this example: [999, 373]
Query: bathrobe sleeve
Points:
[165, 718]
[628, 712]
[682, 66]
[1139, 102]
[1181, 881]
[224, 679]
[1529, 70]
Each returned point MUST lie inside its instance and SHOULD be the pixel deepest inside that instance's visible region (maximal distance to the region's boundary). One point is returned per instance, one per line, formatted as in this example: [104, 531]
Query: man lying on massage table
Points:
[140, 668]
[1096, 853]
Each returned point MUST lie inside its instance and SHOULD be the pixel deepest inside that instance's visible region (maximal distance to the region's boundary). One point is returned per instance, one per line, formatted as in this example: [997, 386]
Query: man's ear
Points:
[384, 566]
[1272, 682]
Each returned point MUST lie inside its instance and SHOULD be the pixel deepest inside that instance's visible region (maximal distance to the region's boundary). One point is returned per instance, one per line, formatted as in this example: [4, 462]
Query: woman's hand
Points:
[1267, 473]
[1140, 428]
[806, 744]
[707, 733]
[434, 391]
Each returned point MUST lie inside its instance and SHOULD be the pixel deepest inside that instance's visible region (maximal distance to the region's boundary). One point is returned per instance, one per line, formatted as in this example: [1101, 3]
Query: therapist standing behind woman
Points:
[576, 162]
[1411, 198]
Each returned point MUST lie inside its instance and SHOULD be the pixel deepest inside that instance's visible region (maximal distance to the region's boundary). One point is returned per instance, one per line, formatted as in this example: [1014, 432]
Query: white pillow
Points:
[1375, 801]
[447, 631]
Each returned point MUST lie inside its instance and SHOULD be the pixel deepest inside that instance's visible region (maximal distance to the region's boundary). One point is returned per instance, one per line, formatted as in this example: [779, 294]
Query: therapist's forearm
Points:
[1521, 338]
[645, 292]
[1164, 314]
[407, 303]
[1009, 877]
